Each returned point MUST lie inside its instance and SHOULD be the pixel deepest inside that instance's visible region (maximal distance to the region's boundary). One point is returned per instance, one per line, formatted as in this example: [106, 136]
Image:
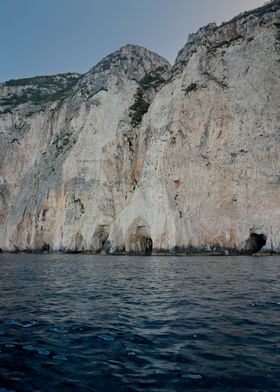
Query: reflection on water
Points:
[90, 323]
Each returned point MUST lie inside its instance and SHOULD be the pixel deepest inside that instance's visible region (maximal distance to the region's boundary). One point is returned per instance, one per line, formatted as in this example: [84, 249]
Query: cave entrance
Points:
[100, 239]
[146, 245]
[46, 248]
[255, 243]
[139, 238]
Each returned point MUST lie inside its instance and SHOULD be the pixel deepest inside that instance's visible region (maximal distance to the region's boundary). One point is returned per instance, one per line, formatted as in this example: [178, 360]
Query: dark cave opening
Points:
[46, 248]
[147, 245]
[255, 243]
[100, 239]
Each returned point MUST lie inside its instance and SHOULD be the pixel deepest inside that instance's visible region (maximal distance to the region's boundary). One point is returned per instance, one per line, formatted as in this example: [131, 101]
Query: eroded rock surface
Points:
[137, 157]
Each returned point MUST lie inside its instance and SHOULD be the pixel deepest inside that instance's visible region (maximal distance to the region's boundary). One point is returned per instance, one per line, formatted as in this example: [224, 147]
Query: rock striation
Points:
[137, 156]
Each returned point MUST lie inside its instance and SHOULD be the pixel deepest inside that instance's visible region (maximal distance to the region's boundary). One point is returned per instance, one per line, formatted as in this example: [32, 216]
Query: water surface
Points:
[90, 323]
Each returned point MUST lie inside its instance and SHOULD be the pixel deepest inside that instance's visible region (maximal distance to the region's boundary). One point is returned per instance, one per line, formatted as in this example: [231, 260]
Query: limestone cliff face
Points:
[137, 157]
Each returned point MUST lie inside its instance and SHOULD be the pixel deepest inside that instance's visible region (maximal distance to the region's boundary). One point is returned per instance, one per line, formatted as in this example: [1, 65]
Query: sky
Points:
[41, 37]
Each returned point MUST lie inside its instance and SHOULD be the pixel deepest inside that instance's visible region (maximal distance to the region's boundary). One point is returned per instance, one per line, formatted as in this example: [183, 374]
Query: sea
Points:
[125, 323]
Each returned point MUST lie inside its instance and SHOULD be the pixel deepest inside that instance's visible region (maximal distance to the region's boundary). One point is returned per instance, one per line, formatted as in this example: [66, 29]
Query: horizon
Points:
[61, 41]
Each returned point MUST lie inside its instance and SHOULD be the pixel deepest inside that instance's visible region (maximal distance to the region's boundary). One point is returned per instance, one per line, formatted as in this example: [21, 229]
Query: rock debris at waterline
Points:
[137, 156]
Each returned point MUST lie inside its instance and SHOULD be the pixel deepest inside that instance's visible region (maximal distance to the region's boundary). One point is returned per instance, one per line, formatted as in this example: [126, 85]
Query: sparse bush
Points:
[139, 108]
[42, 89]
[151, 81]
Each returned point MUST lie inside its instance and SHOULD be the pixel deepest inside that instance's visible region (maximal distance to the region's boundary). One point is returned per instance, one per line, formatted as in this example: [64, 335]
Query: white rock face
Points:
[80, 171]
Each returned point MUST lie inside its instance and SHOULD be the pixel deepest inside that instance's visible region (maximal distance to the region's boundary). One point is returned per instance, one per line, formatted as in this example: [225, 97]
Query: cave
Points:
[139, 238]
[146, 245]
[255, 243]
[45, 248]
[100, 239]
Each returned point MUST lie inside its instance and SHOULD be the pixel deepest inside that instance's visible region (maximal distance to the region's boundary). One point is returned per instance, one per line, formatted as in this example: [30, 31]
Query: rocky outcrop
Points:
[137, 157]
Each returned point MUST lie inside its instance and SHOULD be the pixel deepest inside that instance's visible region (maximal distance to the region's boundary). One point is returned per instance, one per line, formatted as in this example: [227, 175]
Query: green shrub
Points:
[153, 79]
[42, 89]
[139, 108]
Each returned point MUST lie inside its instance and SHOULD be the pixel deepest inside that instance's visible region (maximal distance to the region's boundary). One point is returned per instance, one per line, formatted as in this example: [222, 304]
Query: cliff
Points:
[135, 156]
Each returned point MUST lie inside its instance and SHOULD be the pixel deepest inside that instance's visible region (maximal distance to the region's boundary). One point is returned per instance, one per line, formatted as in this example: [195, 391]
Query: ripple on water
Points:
[138, 339]
[40, 350]
[166, 328]
[107, 338]
[59, 330]
[30, 324]
[192, 376]
[12, 322]
[60, 357]
[19, 323]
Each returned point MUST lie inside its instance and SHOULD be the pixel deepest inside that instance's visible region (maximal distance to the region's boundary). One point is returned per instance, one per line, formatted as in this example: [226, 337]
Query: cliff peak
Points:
[130, 60]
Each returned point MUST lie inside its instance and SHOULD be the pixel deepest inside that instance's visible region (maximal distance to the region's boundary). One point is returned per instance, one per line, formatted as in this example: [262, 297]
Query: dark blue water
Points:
[89, 323]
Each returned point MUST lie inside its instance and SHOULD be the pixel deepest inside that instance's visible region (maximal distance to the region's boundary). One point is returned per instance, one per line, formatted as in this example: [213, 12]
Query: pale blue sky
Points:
[51, 36]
